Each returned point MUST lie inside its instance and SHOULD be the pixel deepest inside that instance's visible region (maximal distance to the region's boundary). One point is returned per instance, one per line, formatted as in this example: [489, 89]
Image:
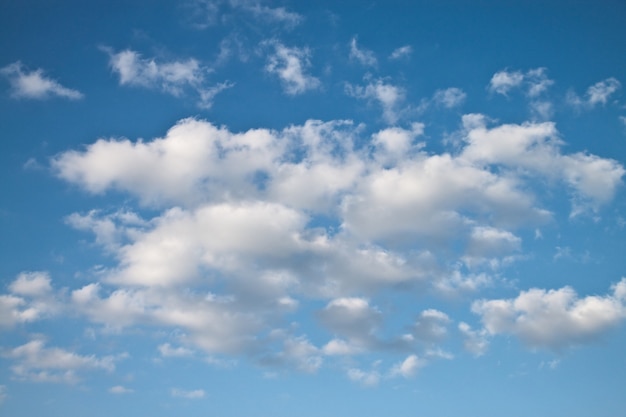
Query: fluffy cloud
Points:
[30, 299]
[363, 56]
[290, 65]
[174, 77]
[431, 326]
[37, 363]
[34, 84]
[408, 367]
[474, 341]
[535, 81]
[554, 319]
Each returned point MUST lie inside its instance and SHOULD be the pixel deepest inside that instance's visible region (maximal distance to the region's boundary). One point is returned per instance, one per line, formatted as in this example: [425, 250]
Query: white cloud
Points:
[554, 319]
[205, 13]
[290, 65]
[37, 363]
[388, 96]
[189, 395]
[167, 350]
[31, 284]
[503, 81]
[450, 97]
[474, 341]
[598, 93]
[352, 318]
[31, 299]
[363, 56]
[119, 389]
[34, 84]
[173, 77]
[369, 379]
[401, 52]
[409, 367]
[431, 326]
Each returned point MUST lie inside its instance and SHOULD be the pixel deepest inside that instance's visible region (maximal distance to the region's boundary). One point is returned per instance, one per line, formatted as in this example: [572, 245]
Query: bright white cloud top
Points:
[337, 218]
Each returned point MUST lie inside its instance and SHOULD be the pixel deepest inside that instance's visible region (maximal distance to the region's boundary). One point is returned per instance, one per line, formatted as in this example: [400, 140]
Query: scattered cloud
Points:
[189, 395]
[388, 96]
[171, 77]
[598, 93]
[119, 389]
[363, 56]
[368, 379]
[408, 367]
[206, 13]
[290, 66]
[35, 362]
[474, 341]
[450, 97]
[34, 84]
[402, 52]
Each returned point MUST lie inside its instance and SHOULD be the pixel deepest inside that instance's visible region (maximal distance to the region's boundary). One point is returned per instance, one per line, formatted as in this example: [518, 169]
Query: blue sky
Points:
[242, 208]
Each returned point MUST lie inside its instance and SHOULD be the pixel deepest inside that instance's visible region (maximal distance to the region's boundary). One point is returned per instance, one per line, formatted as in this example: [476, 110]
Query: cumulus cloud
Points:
[30, 299]
[408, 367]
[366, 378]
[172, 77]
[535, 81]
[363, 56]
[35, 362]
[290, 65]
[34, 84]
[431, 326]
[474, 341]
[554, 319]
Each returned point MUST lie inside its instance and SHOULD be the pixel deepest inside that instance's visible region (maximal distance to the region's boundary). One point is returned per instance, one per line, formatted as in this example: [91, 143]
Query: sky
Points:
[278, 208]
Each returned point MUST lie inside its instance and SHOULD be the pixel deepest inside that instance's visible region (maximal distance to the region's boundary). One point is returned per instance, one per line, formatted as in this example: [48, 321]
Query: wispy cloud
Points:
[290, 65]
[35, 85]
[361, 55]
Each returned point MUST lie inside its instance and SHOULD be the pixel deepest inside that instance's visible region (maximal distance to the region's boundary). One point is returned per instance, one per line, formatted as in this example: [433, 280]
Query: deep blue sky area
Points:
[248, 208]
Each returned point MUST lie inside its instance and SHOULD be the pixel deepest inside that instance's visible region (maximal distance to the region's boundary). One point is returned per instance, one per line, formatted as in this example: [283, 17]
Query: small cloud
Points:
[35, 85]
[363, 56]
[409, 367]
[167, 350]
[401, 52]
[118, 389]
[369, 379]
[291, 65]
[598, 93]
[450, 97]
[190, 395]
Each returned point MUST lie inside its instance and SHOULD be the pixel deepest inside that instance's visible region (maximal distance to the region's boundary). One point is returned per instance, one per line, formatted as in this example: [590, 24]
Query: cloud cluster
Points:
[290, 65]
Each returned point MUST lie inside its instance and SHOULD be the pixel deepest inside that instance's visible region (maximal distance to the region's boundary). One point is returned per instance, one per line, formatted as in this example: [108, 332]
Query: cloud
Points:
[369, 379]
[363, 56]
[206, 13]
[37, 363]
[189, 395]
[401, 52]
[119, 389]
[474, 341]
[598, 93]
[388, 96]
[167, 351]
[173, 77]
[31, 298]
[431, 326]
[450, 97]
[408, 368]
[290, 66]
[535, 81]
[554, 319]
[34, 84]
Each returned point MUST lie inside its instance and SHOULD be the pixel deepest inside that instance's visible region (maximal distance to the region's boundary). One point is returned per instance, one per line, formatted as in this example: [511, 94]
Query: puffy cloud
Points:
[352, 318]
[474, 341]
[31, 284]
[388, 96]
[363, 56]
[31, 299]
[598, 93]
[187, 394]
[369, 379]
[167, 350]
[401, 52]
[450, 97]
[535, 80]
[431, 326]
[408, 367]
[34, 84]
[174, 77]
[554, 319]
[37, 363]
[290, 65]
